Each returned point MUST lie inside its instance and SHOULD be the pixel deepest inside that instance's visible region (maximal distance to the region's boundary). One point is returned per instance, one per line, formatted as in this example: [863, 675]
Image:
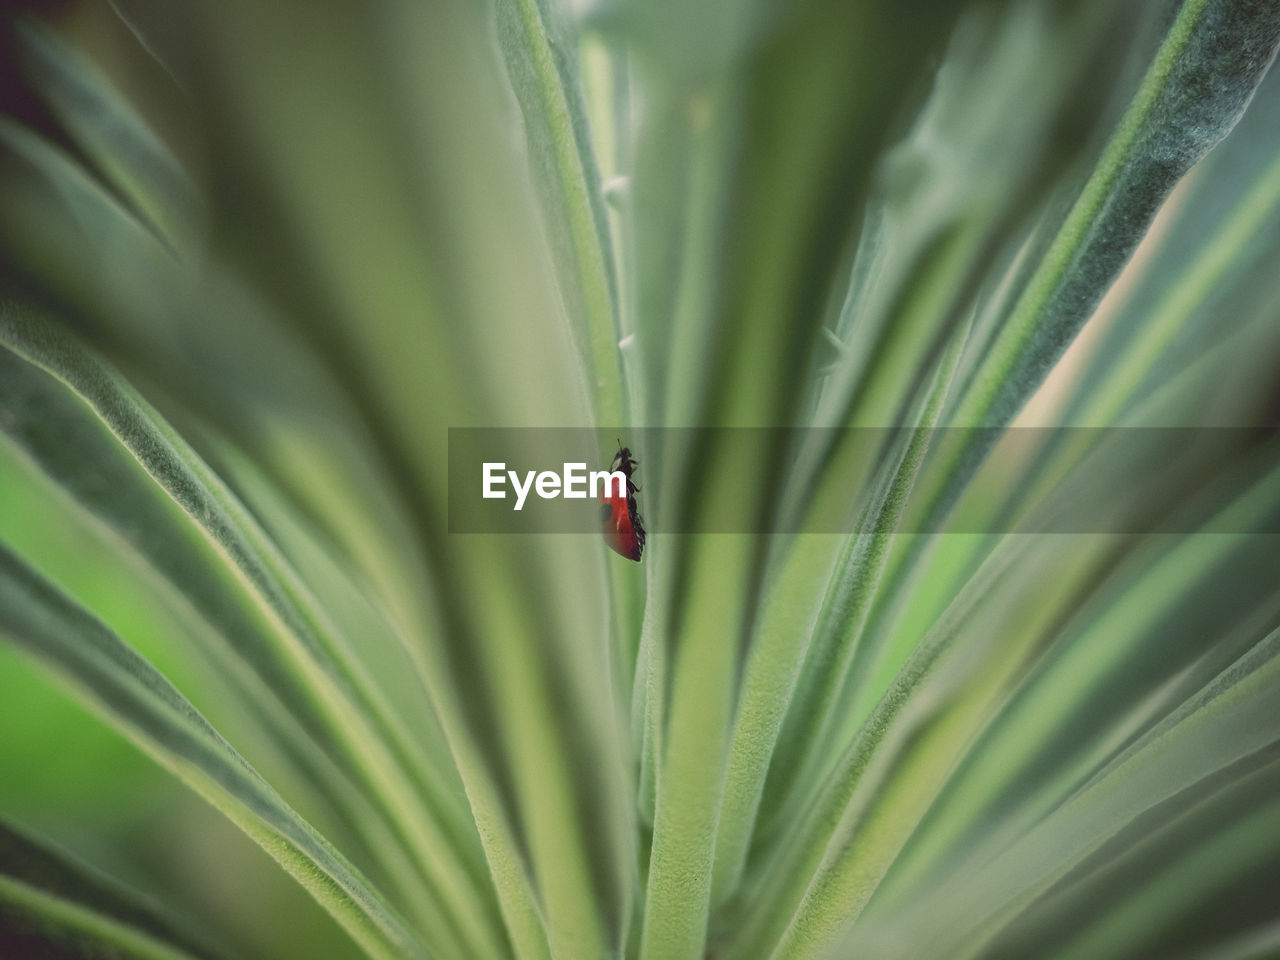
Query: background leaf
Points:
[807, 261]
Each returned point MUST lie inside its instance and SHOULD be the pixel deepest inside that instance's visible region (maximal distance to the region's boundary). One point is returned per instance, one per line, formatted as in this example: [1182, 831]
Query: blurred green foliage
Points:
[257, 700]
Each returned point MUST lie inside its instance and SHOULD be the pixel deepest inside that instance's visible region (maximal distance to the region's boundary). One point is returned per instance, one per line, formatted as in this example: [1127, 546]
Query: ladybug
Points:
[622, 526]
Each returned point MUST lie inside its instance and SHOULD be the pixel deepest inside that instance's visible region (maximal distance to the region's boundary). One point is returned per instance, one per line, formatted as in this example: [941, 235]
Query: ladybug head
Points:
[622, 461]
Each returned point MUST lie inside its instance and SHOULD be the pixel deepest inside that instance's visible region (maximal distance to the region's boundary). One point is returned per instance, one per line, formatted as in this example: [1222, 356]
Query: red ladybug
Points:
[623, 528]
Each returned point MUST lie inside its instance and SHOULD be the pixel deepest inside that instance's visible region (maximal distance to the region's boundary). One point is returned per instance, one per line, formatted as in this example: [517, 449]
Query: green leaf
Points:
[48, 926]
[835, 621]
[1215, 55]
[110, 676]
[134, 160]
[295, 651]
[56, 898]
[369, 223]
[542, 61]
[1227, 721]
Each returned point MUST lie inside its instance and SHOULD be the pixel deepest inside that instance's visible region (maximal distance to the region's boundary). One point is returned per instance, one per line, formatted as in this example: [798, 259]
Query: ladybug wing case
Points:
[622, 527]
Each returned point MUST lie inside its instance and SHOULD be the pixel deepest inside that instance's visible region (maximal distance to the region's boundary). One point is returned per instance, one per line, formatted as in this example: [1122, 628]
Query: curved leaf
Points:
[126, 689]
